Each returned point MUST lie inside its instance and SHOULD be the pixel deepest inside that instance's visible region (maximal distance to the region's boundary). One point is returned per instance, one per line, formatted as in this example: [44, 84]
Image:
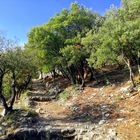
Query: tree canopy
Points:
[77, 39]
[16, 69]
[59, 40]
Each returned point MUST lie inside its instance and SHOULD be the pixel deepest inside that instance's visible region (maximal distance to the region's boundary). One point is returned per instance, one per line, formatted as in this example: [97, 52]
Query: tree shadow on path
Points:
[90, 113]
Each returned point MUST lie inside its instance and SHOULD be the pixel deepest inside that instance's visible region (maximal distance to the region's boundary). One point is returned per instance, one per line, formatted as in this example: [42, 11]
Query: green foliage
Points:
[16, 70]
[64, 95]
[6, 85]
[23, 104]
[20, 63]
[69, 92]
[117, 38]
[75, 37]
[72, 55]
[59, 36]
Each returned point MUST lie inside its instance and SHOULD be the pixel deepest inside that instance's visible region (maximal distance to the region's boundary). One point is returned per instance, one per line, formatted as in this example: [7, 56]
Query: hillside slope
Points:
[95, 112]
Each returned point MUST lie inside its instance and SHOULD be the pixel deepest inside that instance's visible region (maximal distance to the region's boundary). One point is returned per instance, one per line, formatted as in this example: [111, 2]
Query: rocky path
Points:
[101, 113]
[95, 113]
[65, 116]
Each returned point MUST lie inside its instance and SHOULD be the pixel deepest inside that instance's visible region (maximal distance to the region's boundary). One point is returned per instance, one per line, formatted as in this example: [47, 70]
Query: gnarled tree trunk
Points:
[13, 89]
[127, 61]
[2, 98]
[72, 75]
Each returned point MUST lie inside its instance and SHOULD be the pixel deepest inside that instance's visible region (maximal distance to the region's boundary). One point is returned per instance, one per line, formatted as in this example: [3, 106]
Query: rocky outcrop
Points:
[40, 97]
[80, 133]
[26, 134]
[43, 92]
[28, 126]
[38, 85]
[34, 134]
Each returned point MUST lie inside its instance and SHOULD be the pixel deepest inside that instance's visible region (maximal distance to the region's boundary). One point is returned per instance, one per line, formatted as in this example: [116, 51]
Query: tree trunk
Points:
[64, 73]
[81, 74]
[13, 89]
[130, 72]
[131, 76]
[2, 98]
[93, 76]
[54, 74]
[72, 74]
[139, 63]
[128, 63]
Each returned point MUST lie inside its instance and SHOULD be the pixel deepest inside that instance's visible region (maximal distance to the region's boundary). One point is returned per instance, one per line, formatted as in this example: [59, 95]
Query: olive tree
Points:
[17, 63]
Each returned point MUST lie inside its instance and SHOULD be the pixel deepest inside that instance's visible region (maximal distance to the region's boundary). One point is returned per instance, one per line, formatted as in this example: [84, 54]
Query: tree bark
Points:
[81, 74]
[127, 61]
[139, 63]
[13, 89]
[72, 74]
[54, 74]
[93, 76]
[64, 73]
[131, 75]
[2, 98]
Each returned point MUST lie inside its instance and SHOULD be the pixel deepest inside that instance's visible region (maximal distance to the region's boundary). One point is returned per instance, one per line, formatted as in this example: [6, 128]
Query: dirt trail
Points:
[47, 109]
[51, 110]
[107, 111]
